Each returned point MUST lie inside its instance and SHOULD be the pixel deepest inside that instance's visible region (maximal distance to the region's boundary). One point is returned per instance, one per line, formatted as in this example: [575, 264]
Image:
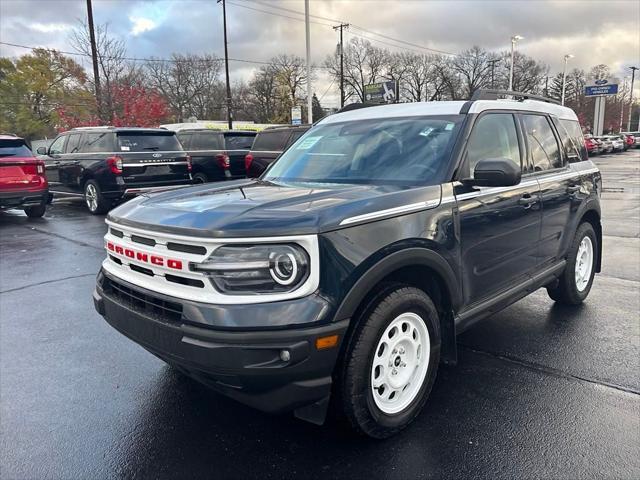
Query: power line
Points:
[140, 59]
[358, 27]
[279, 14]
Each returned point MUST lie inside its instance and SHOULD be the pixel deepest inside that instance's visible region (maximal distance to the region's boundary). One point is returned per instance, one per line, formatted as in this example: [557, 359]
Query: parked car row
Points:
[611, 143]
[105, 165]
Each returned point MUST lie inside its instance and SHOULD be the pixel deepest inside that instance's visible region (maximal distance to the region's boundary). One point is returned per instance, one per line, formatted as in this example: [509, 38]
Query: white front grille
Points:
[162, 267]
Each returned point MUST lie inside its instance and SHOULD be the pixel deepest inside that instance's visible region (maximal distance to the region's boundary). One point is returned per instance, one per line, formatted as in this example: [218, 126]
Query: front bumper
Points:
[24, 199]
[243, 364]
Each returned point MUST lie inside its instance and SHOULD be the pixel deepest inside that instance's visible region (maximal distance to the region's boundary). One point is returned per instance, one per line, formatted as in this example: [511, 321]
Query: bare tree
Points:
[474, 69]
[186, 81]
[363, 64]
[112, 63]
[262, 96]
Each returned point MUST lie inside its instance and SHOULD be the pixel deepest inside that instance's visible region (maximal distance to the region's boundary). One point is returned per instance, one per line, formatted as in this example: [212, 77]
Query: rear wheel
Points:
[575, 282]
[36, 211]
[391, 362]
[94, 199]
[200, 178]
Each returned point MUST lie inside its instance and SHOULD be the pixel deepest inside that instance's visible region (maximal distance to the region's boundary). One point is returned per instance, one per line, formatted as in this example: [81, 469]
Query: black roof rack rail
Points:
[357, 105]
[484, 94]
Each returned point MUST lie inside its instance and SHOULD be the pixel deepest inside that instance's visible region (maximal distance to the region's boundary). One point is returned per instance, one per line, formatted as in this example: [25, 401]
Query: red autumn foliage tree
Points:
[134, 106]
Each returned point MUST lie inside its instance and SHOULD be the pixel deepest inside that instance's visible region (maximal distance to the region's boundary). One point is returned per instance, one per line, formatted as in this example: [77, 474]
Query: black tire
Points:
[200, 178]
[566, 291]
[36, 211]
[94, 200]
[355, 396]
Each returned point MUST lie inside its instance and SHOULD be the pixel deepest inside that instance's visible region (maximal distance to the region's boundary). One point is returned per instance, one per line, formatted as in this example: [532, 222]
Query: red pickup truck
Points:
[23, 184]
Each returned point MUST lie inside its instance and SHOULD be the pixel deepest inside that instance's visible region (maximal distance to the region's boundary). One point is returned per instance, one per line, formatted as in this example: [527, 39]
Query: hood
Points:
[256, 208]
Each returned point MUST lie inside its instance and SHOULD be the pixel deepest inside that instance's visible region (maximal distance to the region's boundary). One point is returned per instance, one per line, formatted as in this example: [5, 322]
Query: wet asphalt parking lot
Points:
[539, 390]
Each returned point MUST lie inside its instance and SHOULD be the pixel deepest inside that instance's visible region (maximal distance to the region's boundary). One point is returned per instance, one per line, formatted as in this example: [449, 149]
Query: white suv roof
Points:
[417, 109]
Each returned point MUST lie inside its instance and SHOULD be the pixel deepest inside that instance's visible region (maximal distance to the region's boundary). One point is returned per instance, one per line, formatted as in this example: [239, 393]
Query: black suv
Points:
[216, 155]
[269, 145]
[349, 267]
[106, 164]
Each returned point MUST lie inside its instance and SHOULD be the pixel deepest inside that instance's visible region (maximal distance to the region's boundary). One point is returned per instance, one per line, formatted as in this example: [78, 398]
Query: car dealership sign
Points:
[382, 92]
[601, 86]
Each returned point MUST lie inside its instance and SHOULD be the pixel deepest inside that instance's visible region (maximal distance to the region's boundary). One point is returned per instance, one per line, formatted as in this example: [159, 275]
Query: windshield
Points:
[407, 151]
[146, 142]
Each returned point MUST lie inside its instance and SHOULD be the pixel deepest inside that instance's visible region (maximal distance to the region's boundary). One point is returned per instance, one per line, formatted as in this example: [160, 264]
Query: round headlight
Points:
[283, 268]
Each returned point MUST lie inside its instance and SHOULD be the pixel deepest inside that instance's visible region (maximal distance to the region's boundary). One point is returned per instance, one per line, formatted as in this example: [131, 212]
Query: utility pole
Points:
[633, 75]
[493, 69]
[308, 41]
[341, 27]
[624, 89]
[94, 59]
[226, 65]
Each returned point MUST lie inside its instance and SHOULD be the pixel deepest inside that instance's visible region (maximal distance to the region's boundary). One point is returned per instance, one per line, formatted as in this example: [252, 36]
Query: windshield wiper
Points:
[151, 148]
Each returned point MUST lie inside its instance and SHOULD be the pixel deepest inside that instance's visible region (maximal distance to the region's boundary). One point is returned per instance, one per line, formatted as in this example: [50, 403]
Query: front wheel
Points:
[391, 362]
[575, 282]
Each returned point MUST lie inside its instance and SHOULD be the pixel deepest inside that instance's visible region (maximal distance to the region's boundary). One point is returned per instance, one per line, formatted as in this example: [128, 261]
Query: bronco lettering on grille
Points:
[145, 257]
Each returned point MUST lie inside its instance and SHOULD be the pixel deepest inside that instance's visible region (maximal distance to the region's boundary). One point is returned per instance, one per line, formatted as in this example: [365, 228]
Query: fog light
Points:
[285, 356]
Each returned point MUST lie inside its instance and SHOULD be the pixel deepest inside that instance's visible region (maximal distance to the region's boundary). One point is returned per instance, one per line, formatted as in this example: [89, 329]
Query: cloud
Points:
[141, 25]
[50, 27]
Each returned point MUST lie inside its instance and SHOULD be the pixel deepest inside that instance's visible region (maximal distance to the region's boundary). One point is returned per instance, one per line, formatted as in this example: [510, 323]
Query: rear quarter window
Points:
[574, 131]
[97, 142]
[14, 148]
[148, 142]
[271, 141]
[207, 141]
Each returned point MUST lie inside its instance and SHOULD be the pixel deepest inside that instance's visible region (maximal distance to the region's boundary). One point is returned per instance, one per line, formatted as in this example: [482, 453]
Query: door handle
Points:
[573, 189]
[527, 200]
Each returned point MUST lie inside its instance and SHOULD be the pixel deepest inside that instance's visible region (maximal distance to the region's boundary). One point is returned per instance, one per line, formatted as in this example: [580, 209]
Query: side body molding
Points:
[404, 258]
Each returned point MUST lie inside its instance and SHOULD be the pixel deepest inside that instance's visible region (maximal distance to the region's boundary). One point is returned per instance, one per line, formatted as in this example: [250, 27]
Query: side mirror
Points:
[41, 151]
[496, 172]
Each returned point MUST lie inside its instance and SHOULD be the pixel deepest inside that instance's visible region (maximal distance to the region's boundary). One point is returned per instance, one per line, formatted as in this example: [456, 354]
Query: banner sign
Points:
[296, 115]
[601, 86]
[382, 92]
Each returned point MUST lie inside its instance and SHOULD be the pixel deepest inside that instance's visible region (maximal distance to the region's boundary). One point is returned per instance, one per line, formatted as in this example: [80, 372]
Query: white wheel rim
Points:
[400, 363]
[91, 197]
[584, 264]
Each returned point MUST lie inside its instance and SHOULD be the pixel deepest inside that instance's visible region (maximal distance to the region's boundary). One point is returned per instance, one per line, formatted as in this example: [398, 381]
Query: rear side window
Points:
[575, 132]
[207, 141]
[185, 139]
[14, 148]
[148, 142]
[543, 147]
[73, 144]
[98, 142]
[239, 142]
[271, 141]
[494, 136]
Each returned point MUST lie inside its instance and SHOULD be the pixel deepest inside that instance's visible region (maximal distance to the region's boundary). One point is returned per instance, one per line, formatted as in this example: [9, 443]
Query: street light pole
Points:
[308, 40]
[633, 75]
[514, 40]
[564, 75]
[226, 65]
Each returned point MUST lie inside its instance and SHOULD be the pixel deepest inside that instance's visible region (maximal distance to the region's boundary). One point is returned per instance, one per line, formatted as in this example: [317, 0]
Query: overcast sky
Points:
[595, 32]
